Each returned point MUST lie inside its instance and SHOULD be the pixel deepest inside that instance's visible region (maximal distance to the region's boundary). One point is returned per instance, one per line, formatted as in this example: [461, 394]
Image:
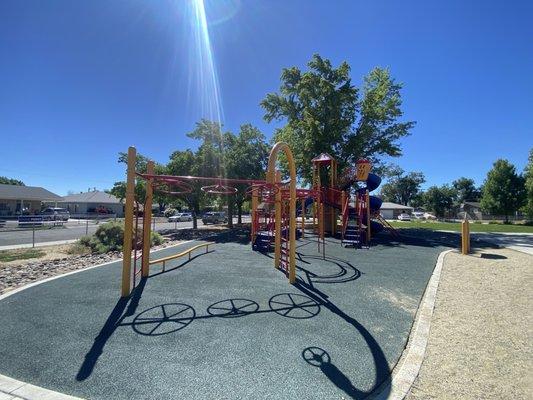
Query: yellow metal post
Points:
[128, 222]
[277, 224]
[368, 233]
[147, 222]
[303, 217]
[292, 205]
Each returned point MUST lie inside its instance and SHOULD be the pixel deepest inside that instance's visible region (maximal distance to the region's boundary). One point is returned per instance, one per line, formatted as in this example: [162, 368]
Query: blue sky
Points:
[82, 80]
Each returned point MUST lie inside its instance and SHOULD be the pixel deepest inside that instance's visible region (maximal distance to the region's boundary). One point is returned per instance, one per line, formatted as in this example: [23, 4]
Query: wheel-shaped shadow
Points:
[163, 319]
[318, 357]
[293, 305]
[343, 270]
[233, 308]
[315, 356]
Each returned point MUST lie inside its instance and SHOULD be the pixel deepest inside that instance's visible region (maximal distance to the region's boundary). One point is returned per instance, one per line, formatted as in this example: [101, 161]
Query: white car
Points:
[404, 217]
[418, 215]
[180, 217]
[429, 216]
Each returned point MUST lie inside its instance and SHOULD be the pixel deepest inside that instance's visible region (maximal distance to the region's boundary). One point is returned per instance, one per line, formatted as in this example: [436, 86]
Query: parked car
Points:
[214, 217]
[404, 217]
[418, 214]
[55, 214]
[429, 216]
[180, 217]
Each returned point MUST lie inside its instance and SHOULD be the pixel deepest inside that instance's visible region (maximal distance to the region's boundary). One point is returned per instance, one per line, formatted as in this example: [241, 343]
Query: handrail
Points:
[345, 215]
[393, 231]
[188, 251]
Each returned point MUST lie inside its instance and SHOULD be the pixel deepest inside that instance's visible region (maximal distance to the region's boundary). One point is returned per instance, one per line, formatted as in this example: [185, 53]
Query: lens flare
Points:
[203, 66]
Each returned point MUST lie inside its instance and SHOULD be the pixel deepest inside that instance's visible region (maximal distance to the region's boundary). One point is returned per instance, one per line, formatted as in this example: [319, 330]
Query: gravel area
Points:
[57, 261]
[480, 340]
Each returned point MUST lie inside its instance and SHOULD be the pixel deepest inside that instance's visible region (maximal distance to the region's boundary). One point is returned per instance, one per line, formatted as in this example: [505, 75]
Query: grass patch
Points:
[20, 254]
[456, 226]
[77, 249]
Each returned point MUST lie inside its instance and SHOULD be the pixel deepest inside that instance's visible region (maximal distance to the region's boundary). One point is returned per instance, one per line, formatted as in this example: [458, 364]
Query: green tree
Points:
[528, 177]
[324, 113]
[210, 153]
[184, 163]
[466, 190]
[439, 199]
[503, 191]
[4, 180]
[403, 188]
[119, 188]
[246, 157]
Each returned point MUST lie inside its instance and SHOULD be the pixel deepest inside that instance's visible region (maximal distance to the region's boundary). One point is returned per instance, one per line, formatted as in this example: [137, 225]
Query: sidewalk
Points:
[479, 343]
[41, 244]
[522, 242]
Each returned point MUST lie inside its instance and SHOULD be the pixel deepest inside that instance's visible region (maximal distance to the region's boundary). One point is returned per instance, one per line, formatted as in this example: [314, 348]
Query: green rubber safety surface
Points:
[224, 325]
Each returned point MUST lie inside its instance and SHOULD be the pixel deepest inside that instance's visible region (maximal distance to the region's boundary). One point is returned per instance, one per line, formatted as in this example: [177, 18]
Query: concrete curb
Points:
[406, 370]
[12, 389]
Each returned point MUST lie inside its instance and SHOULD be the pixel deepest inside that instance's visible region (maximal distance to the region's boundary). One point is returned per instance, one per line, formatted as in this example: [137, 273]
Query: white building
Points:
[392, 210]
[95, 202]
[17, 200]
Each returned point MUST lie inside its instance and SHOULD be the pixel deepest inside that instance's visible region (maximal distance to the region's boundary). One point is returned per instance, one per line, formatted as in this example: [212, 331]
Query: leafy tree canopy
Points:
[503, 191]
[439, 199]
[528, 176]
[403, 188]
[4, 180]
[325, 112]
[466, 190]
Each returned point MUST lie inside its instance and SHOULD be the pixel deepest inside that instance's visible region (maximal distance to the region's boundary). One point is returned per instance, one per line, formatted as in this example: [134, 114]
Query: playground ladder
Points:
[393, 231]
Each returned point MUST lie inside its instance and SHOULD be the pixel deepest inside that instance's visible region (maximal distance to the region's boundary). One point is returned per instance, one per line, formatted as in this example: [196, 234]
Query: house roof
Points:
[476, 204]
[393, 206]
[91, 197]
[15, 192]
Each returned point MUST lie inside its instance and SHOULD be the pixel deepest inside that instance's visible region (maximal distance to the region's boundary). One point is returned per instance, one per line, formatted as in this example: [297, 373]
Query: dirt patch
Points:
[480, 341]
[49, 253]
[397, 299]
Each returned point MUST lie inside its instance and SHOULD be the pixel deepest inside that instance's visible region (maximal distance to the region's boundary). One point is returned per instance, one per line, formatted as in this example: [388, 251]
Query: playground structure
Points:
[274, 208]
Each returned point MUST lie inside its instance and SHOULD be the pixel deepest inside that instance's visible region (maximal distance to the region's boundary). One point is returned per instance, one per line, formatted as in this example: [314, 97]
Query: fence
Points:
[30, 230]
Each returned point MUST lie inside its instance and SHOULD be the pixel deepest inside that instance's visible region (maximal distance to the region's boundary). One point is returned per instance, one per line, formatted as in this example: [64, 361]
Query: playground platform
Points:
[225, 324]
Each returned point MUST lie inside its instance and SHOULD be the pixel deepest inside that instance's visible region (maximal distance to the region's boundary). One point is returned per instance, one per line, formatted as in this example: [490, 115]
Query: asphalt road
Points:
[72, 230]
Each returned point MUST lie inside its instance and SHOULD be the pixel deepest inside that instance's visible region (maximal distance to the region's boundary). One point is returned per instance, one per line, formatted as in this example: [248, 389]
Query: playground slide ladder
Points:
[284, 251]
[352, 233]
[393, 231]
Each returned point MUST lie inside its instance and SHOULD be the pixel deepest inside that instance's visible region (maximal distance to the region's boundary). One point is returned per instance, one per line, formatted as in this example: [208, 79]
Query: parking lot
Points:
[11, 234]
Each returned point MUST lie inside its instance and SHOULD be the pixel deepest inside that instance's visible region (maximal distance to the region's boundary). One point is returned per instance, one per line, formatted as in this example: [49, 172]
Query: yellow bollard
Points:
[465, 237]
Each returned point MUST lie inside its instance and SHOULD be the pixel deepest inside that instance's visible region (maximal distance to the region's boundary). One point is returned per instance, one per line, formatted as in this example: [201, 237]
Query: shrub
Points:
[110, 237]
[155, 239]
[79, 248]
[169, 212]
[85, 241]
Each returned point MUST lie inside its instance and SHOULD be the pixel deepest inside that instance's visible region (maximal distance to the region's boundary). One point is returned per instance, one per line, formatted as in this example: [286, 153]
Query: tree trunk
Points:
[231, 203]
[196, 208]
[239, 213]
